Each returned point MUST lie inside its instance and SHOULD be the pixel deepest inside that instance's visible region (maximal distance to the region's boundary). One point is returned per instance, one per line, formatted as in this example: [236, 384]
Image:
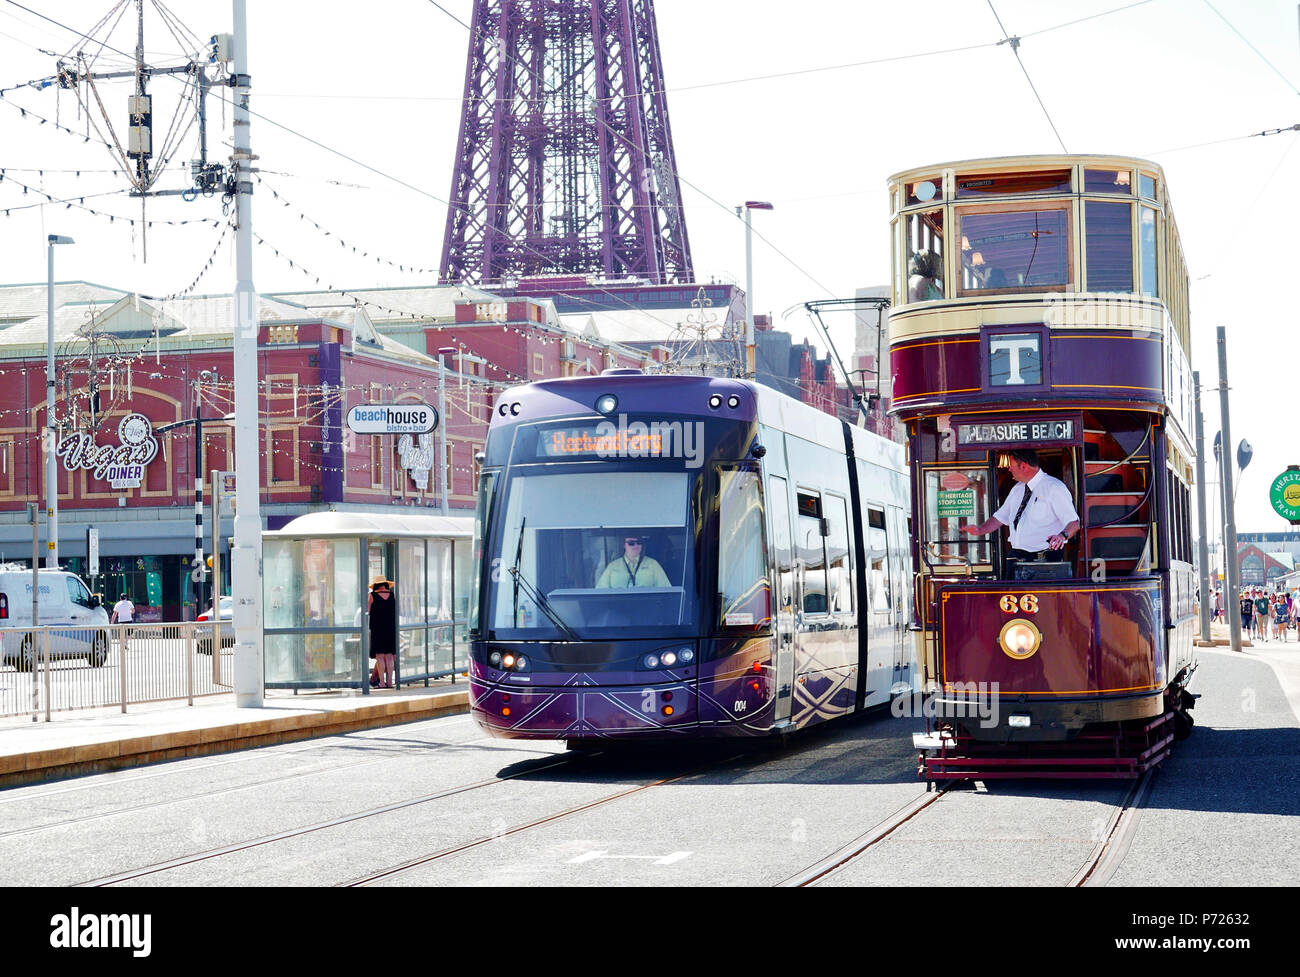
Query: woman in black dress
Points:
[383, 629]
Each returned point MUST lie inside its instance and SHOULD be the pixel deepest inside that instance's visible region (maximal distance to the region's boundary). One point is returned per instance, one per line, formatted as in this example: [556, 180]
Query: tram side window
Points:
[811, 552]
[742, 562]
[924, 248]
[1147, 236]
[784, 569]
[839, 572]
[1020, 249]
[956, 497]
[877, 548]
[1109, 246]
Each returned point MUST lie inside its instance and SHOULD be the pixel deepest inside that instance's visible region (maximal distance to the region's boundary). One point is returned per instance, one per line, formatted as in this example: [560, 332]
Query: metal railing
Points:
[60, 668]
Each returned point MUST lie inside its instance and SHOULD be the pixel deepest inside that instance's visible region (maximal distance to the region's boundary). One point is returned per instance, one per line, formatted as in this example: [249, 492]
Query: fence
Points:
[54, 669]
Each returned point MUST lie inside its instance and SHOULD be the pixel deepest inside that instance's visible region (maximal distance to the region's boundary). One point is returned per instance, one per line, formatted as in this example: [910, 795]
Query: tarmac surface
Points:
[74, 744]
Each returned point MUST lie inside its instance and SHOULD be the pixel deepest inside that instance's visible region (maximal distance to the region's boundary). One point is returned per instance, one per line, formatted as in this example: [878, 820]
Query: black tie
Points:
[1024, 501]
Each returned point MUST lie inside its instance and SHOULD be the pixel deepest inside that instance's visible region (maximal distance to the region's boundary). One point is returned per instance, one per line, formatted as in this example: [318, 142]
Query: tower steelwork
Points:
[565, 162]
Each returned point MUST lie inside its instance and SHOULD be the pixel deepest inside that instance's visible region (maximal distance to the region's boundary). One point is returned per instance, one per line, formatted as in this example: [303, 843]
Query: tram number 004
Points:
[1026, 603]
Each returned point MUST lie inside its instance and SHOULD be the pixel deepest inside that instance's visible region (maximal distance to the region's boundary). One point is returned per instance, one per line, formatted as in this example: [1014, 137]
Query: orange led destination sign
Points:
[615, 444]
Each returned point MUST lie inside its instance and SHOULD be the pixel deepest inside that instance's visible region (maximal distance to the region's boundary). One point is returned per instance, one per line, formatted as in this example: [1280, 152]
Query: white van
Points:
[64, 600]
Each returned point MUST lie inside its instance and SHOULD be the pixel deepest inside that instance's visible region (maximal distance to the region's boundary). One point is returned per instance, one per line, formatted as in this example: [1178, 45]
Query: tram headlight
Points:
[1020, 639]
[667, 658]
[733, 401]
[494, 659]
[715, 401]
[606, 404]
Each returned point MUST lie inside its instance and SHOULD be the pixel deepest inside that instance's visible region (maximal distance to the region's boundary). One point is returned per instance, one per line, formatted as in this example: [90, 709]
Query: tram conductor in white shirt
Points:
[1038, 510]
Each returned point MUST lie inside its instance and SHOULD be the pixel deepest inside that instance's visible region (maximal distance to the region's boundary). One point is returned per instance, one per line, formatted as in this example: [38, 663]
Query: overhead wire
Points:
[1014, 44]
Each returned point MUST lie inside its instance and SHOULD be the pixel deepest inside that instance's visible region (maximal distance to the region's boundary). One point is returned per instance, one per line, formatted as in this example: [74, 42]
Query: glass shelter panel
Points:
[956, 497]
[312, 583]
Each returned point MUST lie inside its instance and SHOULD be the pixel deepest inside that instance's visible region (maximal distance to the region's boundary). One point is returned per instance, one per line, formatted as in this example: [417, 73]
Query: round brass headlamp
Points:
[1020, 639]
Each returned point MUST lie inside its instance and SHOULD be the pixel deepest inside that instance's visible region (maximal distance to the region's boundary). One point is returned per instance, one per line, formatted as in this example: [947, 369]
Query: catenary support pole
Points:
[246, 556]
[1231, 569]
[1202, 545]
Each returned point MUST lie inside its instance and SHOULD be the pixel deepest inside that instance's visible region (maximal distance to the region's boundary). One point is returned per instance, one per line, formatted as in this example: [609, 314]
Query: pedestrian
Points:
[124, 613]
[1262, 613]
[1281, 618]
[383, 629]
[1248, 614]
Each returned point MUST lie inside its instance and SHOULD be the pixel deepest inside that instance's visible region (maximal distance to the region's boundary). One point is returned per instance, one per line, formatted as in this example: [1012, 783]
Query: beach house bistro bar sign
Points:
[121, 465]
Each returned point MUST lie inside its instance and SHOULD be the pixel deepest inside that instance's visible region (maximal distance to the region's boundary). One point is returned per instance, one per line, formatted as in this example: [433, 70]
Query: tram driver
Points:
[1038, 510]
[633, 568]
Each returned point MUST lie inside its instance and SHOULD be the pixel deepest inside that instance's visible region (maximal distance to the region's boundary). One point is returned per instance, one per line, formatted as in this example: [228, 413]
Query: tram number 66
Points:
[1028, 603]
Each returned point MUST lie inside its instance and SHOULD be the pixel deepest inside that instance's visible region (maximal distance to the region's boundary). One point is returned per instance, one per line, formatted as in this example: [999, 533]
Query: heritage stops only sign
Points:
[1285, 494]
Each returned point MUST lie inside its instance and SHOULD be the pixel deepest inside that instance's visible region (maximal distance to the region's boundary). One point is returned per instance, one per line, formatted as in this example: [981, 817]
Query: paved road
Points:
[436, 803]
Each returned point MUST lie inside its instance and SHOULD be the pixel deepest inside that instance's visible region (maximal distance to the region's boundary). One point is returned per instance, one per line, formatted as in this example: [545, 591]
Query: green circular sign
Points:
[1285, 494]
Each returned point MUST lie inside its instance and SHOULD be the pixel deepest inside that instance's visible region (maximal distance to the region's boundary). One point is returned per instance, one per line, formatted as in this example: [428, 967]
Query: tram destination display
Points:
[1017, 432]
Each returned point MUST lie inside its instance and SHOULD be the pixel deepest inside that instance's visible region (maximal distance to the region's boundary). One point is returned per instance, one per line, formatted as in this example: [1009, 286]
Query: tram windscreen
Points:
[600, 553]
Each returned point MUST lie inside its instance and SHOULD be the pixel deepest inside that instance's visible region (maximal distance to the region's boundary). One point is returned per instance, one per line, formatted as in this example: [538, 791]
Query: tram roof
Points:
[399, 525]
[1027, 162]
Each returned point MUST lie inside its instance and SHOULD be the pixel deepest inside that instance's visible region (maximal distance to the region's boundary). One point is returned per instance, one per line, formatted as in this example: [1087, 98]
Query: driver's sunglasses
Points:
[632, 542]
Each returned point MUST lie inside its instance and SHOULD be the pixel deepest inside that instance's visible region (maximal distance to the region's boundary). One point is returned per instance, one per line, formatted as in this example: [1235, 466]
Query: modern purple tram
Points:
[1041, 302]
[670, 556]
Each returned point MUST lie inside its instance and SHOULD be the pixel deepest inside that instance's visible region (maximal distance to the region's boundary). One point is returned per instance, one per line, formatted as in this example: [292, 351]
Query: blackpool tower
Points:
[564, 161]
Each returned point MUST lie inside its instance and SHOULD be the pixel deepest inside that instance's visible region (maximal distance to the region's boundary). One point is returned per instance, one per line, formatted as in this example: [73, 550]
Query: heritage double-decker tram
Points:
[1041, 302]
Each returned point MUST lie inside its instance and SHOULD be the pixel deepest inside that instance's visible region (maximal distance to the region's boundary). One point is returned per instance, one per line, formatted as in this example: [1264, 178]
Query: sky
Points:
[811, 107]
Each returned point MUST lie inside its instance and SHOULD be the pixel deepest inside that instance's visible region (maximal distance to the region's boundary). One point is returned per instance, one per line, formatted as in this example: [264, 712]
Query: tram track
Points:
[876, 834]
[413, 863]
[319, 771]
[1102, 863]
[352, 817]
[1109, 853]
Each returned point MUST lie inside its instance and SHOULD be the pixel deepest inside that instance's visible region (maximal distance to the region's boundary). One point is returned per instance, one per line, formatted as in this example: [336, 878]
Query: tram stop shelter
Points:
[317, 572]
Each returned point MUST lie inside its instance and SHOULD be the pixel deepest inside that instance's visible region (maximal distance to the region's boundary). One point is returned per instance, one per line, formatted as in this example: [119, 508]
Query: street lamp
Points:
[51, 470]
[747, 207]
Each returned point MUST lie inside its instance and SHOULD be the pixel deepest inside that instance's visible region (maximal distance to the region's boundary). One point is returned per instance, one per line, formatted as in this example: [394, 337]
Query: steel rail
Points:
[241, 846]
[1110, 851]
[860, 844]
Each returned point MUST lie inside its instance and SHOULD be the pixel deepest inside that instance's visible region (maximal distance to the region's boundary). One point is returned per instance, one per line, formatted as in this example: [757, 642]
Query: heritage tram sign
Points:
[1285, 494]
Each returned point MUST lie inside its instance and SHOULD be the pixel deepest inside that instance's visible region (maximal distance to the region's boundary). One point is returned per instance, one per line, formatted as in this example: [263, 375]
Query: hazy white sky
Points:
[767, 100]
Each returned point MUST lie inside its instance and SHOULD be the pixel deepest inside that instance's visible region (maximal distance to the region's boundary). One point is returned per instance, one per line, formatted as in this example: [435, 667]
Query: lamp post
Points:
[748, 206]
[51, 468]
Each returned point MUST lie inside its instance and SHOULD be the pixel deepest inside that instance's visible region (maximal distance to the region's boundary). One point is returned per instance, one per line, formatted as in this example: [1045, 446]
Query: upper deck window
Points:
[1147, 185]
[925, 256]
[923, 191]
[1107, 181]
[1015, 250]
[1002, 184]
[1109, 246]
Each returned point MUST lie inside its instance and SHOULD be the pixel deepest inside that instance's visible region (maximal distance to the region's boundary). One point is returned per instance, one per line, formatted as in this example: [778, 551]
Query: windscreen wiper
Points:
[543, 603]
